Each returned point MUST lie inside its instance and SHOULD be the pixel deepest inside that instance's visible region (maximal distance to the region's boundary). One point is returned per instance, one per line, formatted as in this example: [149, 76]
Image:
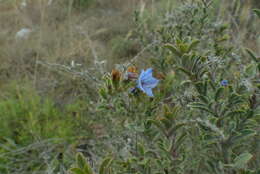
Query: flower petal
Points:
[142, 74]
[147, 74]
[139, 81]
[150, 83]
[149, 92]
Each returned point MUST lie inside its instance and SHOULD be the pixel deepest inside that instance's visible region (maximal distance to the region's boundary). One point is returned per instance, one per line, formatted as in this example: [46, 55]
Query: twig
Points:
[81, 74]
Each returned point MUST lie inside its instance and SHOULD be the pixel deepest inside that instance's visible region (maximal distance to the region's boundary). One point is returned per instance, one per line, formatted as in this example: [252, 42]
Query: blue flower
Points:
[224, 83]
[146, 82]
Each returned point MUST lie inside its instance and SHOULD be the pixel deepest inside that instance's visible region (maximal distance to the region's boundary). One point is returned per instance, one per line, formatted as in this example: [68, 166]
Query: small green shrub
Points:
[196, 111]
[32, 118]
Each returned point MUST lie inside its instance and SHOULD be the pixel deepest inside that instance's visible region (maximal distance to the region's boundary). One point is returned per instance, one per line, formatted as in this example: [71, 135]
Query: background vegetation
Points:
[63, 111]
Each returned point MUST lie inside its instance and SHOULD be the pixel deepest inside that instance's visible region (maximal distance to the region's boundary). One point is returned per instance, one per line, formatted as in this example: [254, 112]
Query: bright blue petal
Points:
[150, 83]
[142, 74]
[139, 81]
[147, 74]
[148, 91]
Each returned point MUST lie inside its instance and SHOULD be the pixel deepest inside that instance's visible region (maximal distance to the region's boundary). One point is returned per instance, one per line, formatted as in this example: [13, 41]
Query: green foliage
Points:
[82, 166]
[37, 132]
[204, 116]
[257, 12]
[32, 118]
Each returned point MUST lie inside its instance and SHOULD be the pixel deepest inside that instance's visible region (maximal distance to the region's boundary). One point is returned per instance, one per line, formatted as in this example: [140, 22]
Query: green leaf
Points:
[250, 70]
[201, 106]
[200, 87]
[185, 71]
[82, 164]
[166, 121]
[235, 99]
[144, 162]
[234, 113]
[241, 161]
[213, 166]
[141, 149]
[252, 55]
[81, 161]
[173, 49]
[244, 134]
[196, 62]
[204, 98]
[103, 93]
[193, 44]
[77, 171]
[205, 89]
[218, 93]
[151, 153]
[104, 167]
[248, 132]
[175, 128]
[180, 140]
[186, 82]
[183, 48]
[257, 12]
[87, 169]
[158, 124]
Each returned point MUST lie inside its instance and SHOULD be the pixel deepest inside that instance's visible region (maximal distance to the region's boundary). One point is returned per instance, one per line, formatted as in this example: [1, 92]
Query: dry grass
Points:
[245, 25]
[60, 34]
